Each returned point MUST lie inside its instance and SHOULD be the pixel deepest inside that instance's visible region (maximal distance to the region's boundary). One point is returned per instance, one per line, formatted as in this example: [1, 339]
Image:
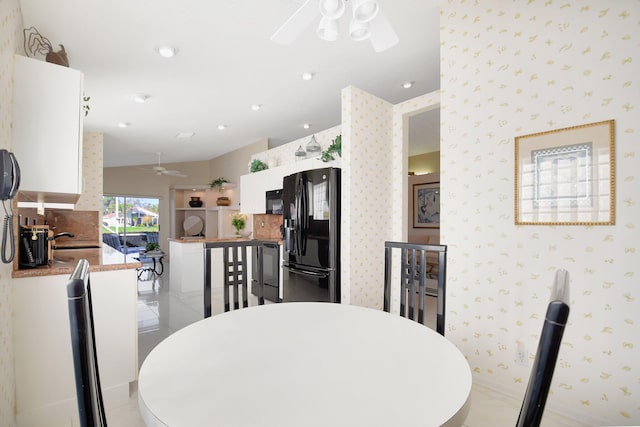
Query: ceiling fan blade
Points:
[174, 173]
[382, 34]
[158, 168]
[297, 23]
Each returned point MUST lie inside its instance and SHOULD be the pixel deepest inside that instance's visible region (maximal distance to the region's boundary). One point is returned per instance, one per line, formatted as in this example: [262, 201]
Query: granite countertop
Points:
[230, 239]
[101, 258]
[205, 240]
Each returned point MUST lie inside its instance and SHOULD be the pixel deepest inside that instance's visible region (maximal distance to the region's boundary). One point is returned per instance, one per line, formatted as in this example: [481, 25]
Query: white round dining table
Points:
[304, 364]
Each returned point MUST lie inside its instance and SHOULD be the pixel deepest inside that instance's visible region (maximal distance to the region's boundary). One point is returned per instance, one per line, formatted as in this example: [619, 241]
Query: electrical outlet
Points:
[521, 354]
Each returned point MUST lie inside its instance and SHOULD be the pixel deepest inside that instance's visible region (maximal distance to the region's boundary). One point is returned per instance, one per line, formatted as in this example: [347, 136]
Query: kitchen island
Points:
[187, 263]
[45, 388]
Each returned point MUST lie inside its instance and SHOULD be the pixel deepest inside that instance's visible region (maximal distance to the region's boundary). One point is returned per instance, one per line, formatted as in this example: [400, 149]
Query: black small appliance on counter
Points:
[35, 245]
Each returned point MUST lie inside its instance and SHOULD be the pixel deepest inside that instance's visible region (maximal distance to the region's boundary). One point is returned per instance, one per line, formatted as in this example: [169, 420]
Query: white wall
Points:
[515, 68]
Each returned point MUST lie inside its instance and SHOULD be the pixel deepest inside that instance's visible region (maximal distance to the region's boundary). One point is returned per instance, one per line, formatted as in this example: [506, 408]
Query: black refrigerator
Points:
[311, 236]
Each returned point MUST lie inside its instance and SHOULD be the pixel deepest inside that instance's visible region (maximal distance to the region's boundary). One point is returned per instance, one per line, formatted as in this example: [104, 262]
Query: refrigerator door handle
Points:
[301, 216]
[304, 225]
[307, 272]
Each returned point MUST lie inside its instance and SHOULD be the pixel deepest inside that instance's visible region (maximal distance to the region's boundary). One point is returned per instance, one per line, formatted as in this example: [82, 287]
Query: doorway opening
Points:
[423, 192]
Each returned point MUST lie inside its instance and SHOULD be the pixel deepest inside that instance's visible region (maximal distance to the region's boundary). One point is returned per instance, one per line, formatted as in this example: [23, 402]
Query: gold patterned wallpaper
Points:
[91, 197]
[517, 67]
[367, 165]
[10, 43]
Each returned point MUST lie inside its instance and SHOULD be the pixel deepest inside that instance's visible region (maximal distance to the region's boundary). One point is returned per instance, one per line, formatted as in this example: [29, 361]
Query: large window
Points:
[129, 223]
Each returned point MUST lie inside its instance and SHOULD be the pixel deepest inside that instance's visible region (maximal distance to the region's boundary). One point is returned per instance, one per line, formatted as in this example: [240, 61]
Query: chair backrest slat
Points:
[235, 270]
[83, 346]
[413, 280]
[547, 353]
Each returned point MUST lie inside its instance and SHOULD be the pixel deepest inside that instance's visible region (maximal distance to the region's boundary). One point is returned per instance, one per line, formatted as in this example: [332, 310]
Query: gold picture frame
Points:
[566, 176]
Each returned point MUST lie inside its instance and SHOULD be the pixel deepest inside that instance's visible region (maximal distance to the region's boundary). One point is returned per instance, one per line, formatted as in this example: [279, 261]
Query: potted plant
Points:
[152, 247]
[218, 183]
[334, 148]
[238, 221]
[257, 165]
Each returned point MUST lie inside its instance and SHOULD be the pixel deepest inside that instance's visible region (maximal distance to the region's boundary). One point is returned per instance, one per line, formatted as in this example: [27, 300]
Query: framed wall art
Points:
[566, 176]
[426, 205]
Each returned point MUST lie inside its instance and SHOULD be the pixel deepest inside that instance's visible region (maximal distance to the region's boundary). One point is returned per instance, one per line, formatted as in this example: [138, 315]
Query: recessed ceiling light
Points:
[140, 98]
[123, 124]
[185, 135]
[306, 76]
[256, 107]
[167, 51]
[222, 127]
[407, 85]
[306, 125]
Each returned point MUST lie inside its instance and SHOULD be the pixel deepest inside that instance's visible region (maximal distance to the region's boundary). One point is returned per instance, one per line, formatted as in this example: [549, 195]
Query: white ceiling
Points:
[225, 63]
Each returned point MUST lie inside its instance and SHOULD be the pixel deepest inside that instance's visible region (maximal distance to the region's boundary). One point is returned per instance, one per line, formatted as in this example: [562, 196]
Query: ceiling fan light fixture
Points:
[140, 98]
[328, 29]
[306, 76]
[331, 9]
[359, 31]
[167, 51]
[365, 10]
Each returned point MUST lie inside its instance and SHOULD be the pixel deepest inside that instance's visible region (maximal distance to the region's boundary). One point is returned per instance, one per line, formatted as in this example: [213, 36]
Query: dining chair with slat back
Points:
[235, 271]
[83, 346]
[415, 270]
[547, 353]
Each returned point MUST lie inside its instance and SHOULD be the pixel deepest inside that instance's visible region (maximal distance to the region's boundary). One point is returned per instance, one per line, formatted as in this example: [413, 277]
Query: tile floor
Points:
[162, 311]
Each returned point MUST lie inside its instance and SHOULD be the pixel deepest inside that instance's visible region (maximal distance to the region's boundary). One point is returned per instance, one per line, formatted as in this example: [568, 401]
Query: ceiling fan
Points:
[367, 23]
[161, 170]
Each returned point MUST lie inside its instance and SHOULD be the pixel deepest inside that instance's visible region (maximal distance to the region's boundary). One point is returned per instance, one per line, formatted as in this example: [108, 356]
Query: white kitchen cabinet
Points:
[216, 220]
[187, 266]
[47, 130]
[45, 386]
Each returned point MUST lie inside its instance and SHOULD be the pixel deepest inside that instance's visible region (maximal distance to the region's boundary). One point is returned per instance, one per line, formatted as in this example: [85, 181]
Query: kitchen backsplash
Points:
[266, 226]
[85, 225]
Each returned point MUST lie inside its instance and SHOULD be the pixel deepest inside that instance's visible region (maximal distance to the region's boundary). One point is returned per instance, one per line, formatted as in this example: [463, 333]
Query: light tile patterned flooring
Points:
[162, 311]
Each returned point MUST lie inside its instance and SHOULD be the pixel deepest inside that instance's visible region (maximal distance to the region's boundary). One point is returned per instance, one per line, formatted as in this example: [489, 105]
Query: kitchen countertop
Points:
[103, 258]
[230, 239]
[205, 240]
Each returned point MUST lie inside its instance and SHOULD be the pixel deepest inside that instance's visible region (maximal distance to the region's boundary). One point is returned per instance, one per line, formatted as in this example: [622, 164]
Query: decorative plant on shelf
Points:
[334, 148]
[34, 43]
[238, 221]
[219, 183]
[86, 107]
[257, 165]
[152, 247]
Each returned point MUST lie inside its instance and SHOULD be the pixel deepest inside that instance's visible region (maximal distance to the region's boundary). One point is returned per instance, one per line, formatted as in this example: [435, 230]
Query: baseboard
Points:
[65, 413]
[560, 410]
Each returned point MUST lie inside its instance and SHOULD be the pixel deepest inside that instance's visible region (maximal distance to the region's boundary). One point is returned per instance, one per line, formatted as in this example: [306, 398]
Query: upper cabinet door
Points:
[47, 130]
